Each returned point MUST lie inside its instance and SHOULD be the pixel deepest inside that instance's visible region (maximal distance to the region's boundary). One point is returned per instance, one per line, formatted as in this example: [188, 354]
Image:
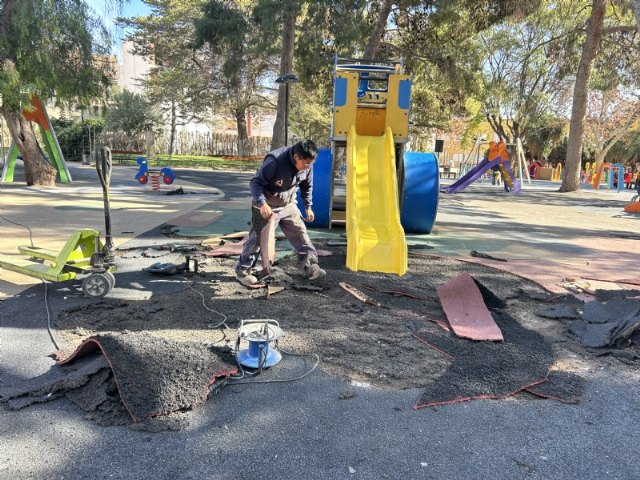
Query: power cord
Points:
[46, 301]
[20, 225]
[49, 329]
[211, 325]
[284, 380]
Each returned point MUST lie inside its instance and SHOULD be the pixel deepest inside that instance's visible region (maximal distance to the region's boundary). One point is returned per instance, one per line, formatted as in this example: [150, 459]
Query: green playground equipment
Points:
[39, 116]
[74, 258]
[83, 253]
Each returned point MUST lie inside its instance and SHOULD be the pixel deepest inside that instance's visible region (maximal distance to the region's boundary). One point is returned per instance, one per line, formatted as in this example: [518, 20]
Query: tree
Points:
[311, 113]
[131, 113]
[636, 10]
[440, 43]
[627, 150]
[268, 16]
[546, 134]
[611, 114]
[47, 47]
[72, 135]
[595, 27]
[379, 29]
[527, 69]
[237, 64]
[179, 85]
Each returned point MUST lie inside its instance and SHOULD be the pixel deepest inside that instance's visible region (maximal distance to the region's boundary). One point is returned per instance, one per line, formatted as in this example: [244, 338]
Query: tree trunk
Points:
[172, 134]
[243, 139]
[37, 171]
[636, 11]
[286, 66]
[571, 181]
[599, 158]
[379, 30]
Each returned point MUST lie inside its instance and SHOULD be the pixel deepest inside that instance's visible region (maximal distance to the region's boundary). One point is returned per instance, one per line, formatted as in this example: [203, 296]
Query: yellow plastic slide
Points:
[375, 238]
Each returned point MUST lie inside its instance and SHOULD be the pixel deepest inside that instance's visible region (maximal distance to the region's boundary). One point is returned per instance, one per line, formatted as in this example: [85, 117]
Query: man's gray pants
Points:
[292, 225]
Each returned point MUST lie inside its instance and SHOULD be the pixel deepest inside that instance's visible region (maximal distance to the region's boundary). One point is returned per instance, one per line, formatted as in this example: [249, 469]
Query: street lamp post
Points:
[286, 80]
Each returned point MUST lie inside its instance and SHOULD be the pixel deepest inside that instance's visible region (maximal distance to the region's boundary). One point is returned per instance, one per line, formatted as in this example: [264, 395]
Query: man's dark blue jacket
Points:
[278, 180]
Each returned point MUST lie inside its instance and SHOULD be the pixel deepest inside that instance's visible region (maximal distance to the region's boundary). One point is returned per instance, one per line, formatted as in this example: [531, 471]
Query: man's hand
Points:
[265, 211]
[310, 215]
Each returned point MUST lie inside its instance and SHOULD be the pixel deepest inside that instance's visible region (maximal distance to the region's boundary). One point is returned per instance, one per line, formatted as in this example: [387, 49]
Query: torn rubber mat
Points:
[466, 311]
[487, 369]
[52, 384]
[157, 376]
[565, 387]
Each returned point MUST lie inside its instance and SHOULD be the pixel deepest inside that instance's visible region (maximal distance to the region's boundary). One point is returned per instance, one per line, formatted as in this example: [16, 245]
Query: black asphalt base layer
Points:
[487, 369]
[157, 376]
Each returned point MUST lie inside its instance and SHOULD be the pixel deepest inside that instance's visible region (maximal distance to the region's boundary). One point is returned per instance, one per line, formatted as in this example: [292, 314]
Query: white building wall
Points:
[133, 69]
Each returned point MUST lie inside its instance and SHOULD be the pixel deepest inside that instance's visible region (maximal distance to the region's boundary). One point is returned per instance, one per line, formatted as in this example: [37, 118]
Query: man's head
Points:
[304, 153]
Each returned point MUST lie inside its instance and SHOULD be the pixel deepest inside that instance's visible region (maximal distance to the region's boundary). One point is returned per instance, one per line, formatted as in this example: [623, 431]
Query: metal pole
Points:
[286, 114]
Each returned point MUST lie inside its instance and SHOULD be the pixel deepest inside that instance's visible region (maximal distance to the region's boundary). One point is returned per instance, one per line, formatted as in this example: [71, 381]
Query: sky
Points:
[106, 10]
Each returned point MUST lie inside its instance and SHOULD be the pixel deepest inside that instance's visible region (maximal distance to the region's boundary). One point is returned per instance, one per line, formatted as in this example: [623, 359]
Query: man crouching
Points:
[274, 190]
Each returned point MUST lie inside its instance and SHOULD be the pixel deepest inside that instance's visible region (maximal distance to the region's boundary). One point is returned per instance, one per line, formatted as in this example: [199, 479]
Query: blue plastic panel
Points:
[404, 94]
[340, 92]
[322, 189]
[420, 194]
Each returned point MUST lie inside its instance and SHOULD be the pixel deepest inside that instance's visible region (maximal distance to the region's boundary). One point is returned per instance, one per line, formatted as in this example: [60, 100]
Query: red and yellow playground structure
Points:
[388, 191]
[37, 114]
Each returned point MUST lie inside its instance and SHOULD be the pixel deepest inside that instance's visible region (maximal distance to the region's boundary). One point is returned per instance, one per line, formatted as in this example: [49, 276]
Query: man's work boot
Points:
[314, 272]
[246, 279]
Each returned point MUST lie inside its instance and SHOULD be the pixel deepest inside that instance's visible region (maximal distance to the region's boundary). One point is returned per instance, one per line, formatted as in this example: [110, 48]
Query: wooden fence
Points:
[189, 143]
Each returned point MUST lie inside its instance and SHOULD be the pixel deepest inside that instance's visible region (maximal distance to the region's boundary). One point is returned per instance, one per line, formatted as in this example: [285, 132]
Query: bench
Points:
[448, 171]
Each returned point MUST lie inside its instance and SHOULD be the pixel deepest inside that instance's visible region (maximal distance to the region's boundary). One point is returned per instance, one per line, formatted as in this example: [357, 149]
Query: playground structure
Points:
[38, 115]
[634, 205]
[388, 191]
[613, 175]
[588, 173]
[498, 157]
[144, 174]
[83, 253]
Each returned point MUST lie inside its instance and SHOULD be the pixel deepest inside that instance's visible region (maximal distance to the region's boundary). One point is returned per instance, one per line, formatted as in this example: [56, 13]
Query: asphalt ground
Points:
[304, 429]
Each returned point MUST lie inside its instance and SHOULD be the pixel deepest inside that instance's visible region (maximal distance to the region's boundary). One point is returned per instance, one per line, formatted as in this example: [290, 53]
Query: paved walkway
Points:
[303, 429]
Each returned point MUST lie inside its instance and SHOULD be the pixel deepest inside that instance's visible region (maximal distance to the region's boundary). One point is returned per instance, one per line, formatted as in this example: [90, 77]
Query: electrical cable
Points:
[20, 225]
[49, 329]
[211, 325]
[284, 380]
[46, 301]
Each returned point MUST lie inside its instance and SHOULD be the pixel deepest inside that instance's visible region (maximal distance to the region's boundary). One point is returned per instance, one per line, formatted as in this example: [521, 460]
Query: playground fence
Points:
[189, 143]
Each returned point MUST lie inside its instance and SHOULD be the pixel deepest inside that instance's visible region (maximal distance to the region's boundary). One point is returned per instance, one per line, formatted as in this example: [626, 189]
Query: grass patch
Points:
[191, 161]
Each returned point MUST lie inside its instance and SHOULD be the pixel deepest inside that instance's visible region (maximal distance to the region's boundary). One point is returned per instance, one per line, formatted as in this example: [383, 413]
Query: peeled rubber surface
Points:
[565, 387]
[157, 376]
[486, 369]
[467, 314]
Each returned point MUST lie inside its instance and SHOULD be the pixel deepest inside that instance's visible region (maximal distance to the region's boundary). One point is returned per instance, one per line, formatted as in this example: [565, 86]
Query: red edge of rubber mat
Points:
[91, 345]
[466, 311]
[570, 401]
[418, 406]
